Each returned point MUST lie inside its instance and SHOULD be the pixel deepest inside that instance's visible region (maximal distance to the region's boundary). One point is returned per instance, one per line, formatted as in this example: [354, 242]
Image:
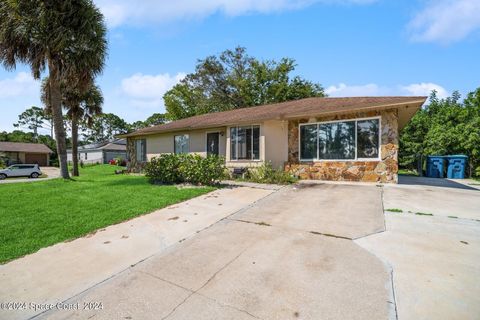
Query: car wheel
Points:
[34, 175]
[2, 176]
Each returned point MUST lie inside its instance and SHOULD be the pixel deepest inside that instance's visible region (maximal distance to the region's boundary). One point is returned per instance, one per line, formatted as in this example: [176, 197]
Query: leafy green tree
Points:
[153, 120]
[470, 130]
[235, 80]
[136, 125]
[105, 127]
[443, 127]
[68, 37]
[34, 118]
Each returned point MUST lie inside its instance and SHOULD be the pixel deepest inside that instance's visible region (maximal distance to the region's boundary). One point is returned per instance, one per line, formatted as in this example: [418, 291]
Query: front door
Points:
[213, 143]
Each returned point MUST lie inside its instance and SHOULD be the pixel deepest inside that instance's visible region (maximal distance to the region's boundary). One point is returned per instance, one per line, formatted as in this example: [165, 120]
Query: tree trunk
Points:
[57, 117]
[75, 145]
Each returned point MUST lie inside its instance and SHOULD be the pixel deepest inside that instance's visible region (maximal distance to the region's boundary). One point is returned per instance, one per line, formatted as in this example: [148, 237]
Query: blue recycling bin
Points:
[435, 166]
[456, 166]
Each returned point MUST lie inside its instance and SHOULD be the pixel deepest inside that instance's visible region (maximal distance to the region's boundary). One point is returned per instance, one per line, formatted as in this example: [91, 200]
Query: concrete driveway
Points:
[282, 257]
[433, 247]
[288, 254]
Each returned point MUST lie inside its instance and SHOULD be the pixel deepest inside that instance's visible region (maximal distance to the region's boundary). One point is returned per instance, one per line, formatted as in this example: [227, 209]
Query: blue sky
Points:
[351, 47]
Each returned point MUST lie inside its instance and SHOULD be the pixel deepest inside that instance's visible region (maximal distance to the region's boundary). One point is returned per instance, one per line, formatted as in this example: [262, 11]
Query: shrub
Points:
[178, 168]
[477, 172]
[267, 174]
[119, 161]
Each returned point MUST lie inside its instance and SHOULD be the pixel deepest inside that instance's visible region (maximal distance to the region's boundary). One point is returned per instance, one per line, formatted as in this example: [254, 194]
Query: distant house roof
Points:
[24, 147]
[309, 107]
[115, 145]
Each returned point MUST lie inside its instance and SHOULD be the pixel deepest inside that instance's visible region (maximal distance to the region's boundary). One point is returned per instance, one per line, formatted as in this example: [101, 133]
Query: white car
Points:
[21, 170]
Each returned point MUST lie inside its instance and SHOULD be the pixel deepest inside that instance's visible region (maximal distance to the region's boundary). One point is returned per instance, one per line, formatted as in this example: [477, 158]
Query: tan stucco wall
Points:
[276, 142]
[164, 143]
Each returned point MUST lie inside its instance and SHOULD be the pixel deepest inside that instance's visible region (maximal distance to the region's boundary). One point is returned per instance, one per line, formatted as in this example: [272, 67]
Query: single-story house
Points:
[21, 152]
[101, 152]
[352, 139]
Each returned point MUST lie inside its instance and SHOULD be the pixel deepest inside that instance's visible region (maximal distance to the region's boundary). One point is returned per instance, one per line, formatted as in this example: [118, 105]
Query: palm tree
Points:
[81, 107]
[66, 36]
[83, 110]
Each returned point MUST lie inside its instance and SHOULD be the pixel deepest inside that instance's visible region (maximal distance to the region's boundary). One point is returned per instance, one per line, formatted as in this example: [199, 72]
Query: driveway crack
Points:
[207, 282]
[229, 306]
[394, 302]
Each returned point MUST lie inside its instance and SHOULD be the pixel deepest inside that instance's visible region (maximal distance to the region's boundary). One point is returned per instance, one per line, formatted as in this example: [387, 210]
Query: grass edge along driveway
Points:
[38, 215]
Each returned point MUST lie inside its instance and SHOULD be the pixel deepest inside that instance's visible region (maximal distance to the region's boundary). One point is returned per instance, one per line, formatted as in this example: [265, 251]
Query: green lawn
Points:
[34, 215]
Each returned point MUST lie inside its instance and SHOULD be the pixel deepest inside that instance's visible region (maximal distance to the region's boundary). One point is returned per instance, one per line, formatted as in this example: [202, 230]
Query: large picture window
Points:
[182, 144]
[245, 143]
[140, 150]
[340, 140]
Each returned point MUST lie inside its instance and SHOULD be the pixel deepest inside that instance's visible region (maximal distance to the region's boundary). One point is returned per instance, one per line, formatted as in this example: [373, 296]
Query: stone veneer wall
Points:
[385, 171]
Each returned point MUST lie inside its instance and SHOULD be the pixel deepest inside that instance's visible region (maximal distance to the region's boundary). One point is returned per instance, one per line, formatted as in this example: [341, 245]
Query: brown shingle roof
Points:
[285, 110]
[24, 147]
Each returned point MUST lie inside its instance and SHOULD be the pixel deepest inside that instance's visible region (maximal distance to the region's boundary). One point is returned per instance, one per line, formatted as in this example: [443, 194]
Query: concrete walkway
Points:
[57, 273]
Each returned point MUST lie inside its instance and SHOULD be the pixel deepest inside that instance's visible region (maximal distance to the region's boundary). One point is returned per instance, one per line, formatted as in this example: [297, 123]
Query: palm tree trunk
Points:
[75, 145]
[57, 116]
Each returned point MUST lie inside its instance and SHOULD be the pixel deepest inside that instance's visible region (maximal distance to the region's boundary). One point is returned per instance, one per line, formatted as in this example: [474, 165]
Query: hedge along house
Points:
[343, 139]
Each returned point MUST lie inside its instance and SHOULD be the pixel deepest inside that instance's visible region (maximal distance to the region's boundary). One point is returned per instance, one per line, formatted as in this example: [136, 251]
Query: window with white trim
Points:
[245, 143]
[340, 140]
[182, 144]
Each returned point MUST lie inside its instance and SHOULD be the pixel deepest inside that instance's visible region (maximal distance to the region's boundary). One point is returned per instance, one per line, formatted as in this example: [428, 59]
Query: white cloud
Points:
[22, 84]
[372, 89]
[343, 90]
[424, 89]
[445, 21]
[118, 12]
[147, 91]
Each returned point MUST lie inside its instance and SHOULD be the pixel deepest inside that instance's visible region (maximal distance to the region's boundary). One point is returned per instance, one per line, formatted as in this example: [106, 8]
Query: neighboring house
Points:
[353, 139]
[29, 153]
[100, 152]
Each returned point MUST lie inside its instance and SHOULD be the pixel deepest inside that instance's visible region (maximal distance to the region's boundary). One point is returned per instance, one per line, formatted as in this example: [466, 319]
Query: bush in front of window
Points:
[185, 168]
[266, 173]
